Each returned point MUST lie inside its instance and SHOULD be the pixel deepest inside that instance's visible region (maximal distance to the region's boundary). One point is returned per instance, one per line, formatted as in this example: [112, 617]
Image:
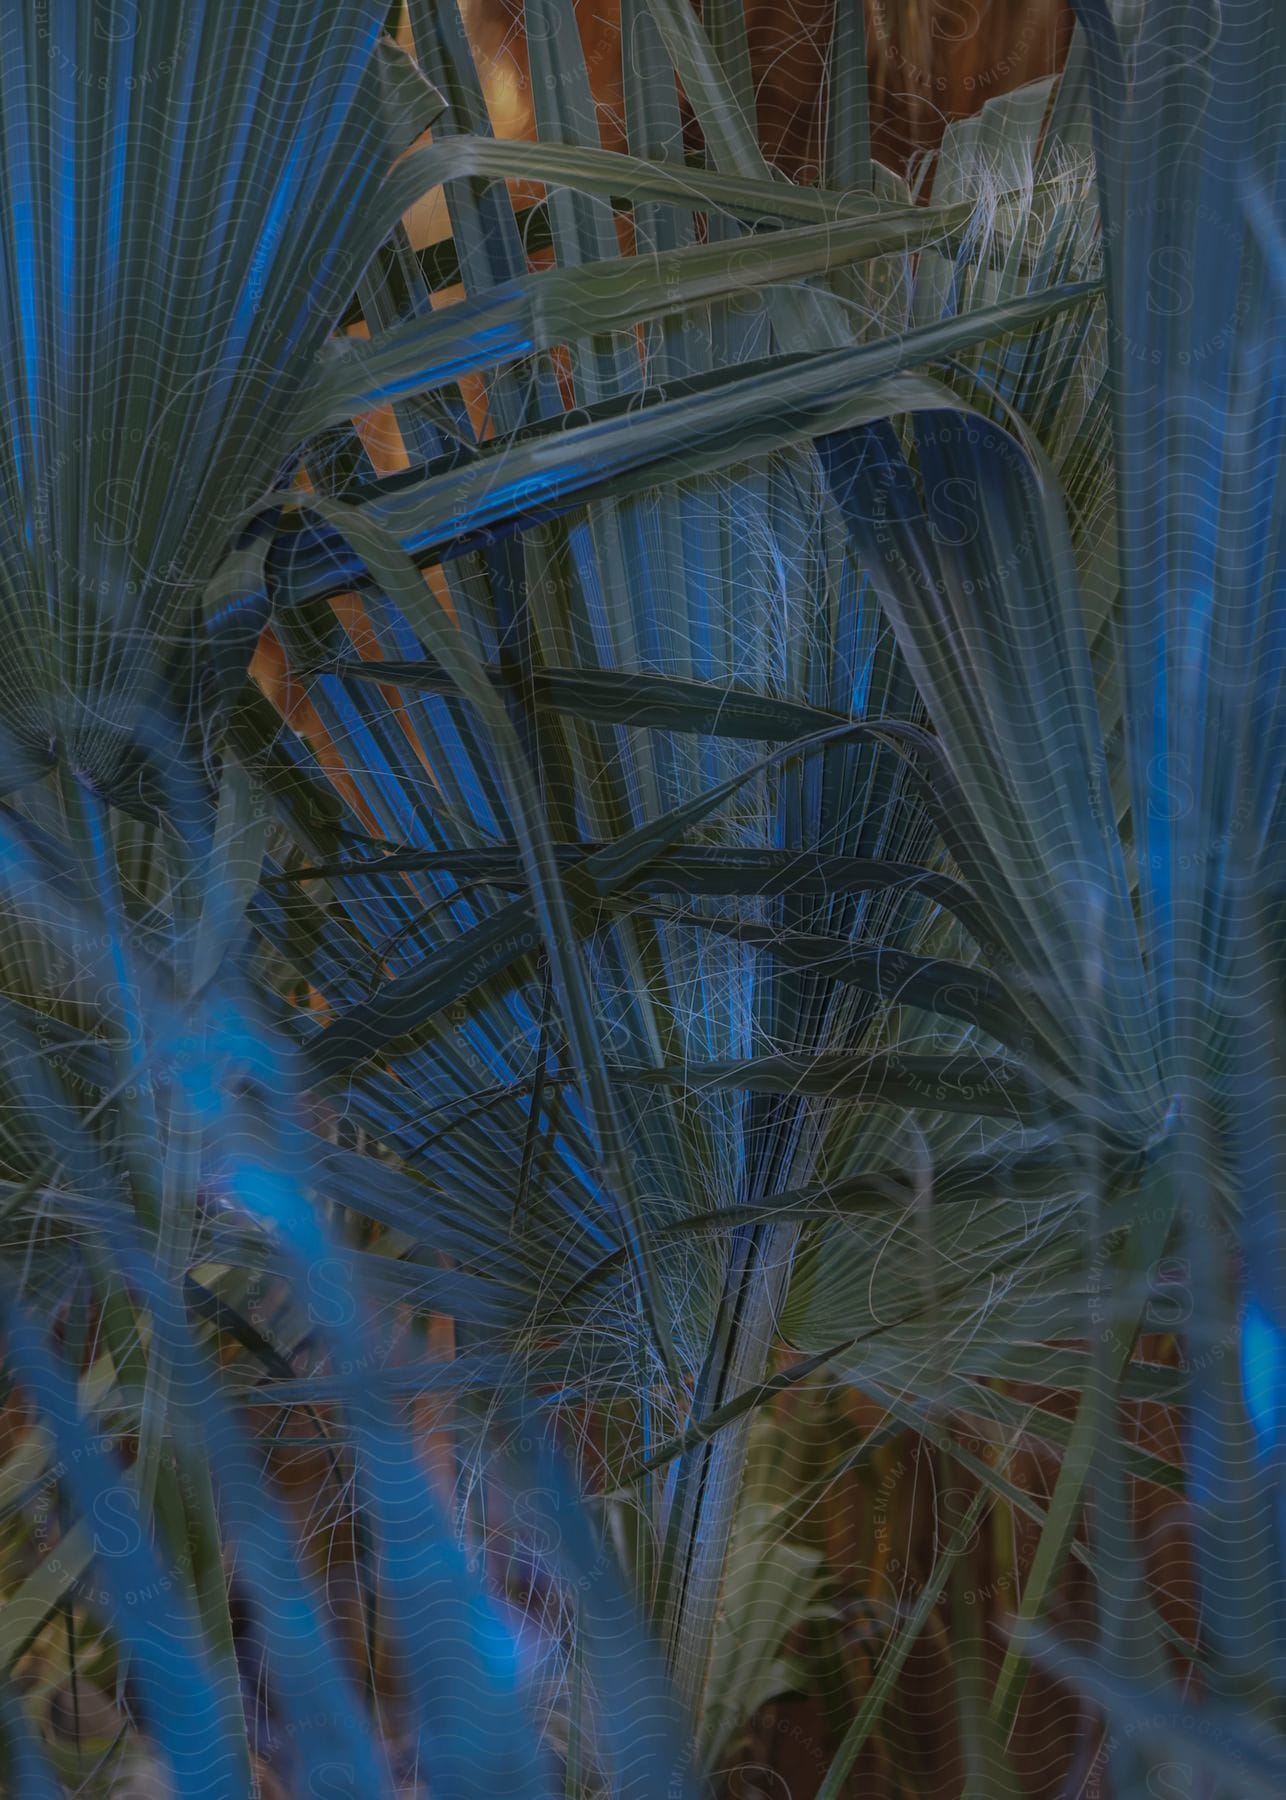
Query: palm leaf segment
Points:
[637, 683]
[159, 332]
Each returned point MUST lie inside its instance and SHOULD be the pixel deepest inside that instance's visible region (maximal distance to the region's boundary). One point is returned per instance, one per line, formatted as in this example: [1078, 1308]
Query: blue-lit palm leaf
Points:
[1191, 184]
[711, 613]
[175, 251]
[1007, 638]
[190, 197]
[1146, 815]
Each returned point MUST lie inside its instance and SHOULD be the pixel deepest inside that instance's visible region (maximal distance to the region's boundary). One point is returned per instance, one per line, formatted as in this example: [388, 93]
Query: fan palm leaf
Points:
[720, 874]
[591, 608]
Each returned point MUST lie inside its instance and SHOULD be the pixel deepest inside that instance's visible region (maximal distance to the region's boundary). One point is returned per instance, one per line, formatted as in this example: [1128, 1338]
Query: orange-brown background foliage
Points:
[929, 61]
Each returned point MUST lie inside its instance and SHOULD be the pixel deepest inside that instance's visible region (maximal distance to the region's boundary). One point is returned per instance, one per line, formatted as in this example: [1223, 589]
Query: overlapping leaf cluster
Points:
[761, 834]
